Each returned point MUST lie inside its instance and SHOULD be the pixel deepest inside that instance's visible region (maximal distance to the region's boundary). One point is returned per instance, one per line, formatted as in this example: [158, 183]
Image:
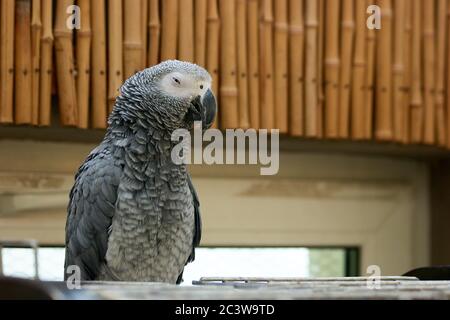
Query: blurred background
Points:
[358, 89]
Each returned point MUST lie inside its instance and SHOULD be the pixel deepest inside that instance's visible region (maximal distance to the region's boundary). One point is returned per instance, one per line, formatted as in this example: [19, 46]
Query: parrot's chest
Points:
[152, 230]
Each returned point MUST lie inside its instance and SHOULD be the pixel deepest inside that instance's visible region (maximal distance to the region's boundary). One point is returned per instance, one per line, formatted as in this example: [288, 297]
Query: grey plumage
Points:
[133, 214]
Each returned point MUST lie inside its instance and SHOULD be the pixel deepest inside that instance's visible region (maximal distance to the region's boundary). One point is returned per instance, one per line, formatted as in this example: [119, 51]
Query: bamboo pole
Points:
[186, 31]
[429, 70]
[266, 65]
[384, 80]
[65, 66]
[440, 71]
[347, 32]
[281, 64]
[212, 47]
[98, 67]
[132, 40]
[7, 8]
[416, 76]
[311, 99]
[253, 62]
[144, 29]
[115, 50]
[154, 33]
[407, 40]
[398, 69]
[320, 70]
[36, 30]
[242, 78]
[169, 32]
[200, 8]
[45, 95]
[228, 87]
[296, 43]
[332, 64]
[83, 51]
[22, 64]
[369, 81]
[358, 73]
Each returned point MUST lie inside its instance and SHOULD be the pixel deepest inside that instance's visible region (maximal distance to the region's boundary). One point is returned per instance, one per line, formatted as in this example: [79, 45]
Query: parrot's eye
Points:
[201, 86]
[177, 80]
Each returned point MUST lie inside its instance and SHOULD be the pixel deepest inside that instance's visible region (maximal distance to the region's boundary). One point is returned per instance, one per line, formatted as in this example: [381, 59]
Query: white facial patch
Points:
[184, 85]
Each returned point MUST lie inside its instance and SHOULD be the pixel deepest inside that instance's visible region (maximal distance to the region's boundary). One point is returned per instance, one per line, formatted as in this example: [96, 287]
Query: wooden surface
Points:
[391, 288]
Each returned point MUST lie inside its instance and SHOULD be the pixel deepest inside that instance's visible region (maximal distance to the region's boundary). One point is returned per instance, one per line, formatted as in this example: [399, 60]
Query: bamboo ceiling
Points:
[311, 68]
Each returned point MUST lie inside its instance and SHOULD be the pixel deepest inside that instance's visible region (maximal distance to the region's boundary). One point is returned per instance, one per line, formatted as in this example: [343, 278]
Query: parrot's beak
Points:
[203, 109]
[209, 109]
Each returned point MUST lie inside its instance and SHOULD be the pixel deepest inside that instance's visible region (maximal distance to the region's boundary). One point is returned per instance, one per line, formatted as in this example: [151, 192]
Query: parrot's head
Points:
[170, 95]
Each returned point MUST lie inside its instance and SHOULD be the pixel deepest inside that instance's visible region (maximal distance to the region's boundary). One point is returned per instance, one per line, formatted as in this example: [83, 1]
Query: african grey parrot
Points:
[133, 213]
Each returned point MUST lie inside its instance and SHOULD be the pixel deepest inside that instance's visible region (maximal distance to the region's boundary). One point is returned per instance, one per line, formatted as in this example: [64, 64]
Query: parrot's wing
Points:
[197, 226]
[198, 220]
[90, 211]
